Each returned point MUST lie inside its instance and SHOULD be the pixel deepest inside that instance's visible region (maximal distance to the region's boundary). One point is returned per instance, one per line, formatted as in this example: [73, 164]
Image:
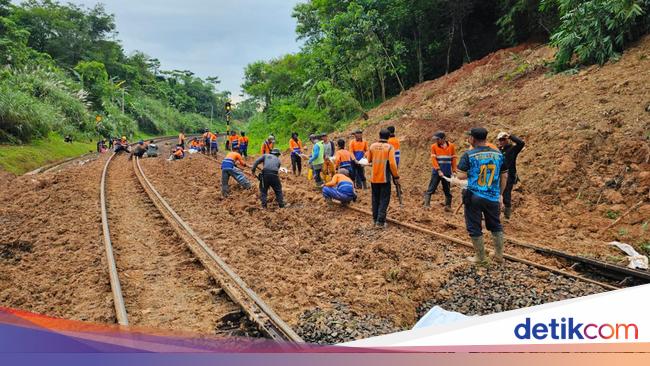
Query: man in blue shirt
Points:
[486, 175]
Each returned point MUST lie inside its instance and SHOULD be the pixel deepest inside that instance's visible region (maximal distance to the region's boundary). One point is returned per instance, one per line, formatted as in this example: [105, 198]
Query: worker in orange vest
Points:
[384, 167]
[229, 169]
[359, 148]
[444, 162]
[243, 144]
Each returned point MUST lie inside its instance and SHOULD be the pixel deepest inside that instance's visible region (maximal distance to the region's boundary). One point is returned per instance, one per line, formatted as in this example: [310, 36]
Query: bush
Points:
[23, 117]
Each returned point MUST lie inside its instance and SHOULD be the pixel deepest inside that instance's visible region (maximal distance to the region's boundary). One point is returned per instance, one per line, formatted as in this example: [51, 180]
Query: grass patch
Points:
[20, 159]
[612, 215]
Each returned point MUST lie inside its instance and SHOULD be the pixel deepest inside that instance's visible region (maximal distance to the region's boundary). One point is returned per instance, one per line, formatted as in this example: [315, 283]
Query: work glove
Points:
[284, 170]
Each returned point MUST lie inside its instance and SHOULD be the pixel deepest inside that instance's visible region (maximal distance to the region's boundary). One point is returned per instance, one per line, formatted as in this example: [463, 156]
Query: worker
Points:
[138, 150]
[206, 140]
[317, 159]
[269, 178]
[395, 143]
[122, 145]
[243, 144]
[295, 145]
[101, 146]
[111, 140]
[340, 188]
[181, 139]
[233, 140]
[152, 149]
[214, 143]
[195, 145]
[444, 162]
[359, 149]
[229, 169]
[178, 153]
[486, 175]
[382, 157]
[328, 156]
[510, 152]
[343, 158]
[267, 145]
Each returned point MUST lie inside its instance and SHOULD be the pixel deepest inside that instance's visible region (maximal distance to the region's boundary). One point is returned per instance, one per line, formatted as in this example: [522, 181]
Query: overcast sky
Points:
[208, 37]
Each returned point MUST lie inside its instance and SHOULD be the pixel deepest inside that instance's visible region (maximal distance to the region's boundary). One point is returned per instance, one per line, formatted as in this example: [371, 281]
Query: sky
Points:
[207, 37]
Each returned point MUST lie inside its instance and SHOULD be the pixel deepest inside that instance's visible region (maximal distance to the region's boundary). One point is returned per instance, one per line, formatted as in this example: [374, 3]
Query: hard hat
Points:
[503, 135]
[275, 152]
[123, 137]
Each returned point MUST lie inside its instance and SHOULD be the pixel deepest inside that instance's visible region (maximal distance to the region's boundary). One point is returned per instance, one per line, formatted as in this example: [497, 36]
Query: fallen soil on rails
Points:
[51, 252]
[587, 155]
[163, 285]
[321, 266]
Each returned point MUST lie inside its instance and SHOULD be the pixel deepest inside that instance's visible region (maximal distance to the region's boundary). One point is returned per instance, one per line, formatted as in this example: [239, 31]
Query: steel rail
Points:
[118, 299]
[236, 288]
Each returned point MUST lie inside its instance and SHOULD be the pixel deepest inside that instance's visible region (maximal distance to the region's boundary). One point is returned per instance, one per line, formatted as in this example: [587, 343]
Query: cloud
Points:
[207, 37]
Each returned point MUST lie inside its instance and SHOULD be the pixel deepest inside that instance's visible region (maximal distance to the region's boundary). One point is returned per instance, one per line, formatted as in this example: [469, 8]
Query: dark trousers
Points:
[510, 184]
[296, 164]
[270, 180]
[433, 185]
[317, 178]
[359, 175]
[477, 208]
[380, 201]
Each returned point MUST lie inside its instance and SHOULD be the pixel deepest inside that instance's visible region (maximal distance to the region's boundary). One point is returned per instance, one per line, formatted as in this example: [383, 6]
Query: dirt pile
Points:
[587, 157]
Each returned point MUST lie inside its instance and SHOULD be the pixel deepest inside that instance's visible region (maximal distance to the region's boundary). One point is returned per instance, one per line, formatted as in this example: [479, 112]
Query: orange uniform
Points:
[243, 141]
[336, 179]
[382, 157]
[343, 159]
[295, 146]
[179, 153]
[212, 136]
[266, 147]
[395, 143]
[358, 148]
[231, 160]
[444, 158]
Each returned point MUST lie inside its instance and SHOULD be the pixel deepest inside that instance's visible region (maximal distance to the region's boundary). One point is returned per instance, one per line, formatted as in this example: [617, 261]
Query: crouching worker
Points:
[178, 153]
[340, 188]
[269, 178]
[138, 150]
[229, 169]
[152, 149]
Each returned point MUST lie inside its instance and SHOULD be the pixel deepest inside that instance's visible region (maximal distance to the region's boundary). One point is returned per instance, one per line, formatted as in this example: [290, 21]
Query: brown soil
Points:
[587, 157]
[163, 285]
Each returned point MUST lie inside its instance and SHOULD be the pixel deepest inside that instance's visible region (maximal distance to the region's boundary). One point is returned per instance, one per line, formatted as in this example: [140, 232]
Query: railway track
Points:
[257, 311]
[591, 267]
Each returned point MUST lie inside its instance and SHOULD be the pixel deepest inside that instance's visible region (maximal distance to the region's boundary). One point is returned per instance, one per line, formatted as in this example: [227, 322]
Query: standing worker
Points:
[233, 141]
[206, 140]
[229, 169]
[359, 149]
[328, 154]
[384, 166]
[486, 175]
[444, 162]
[510, 151]
[269, 178]
[214, 142]
[243, 145]
[181, 139]
[340, 188]
[295, 145]
[395, 143]
[317, 159]
[267, 145]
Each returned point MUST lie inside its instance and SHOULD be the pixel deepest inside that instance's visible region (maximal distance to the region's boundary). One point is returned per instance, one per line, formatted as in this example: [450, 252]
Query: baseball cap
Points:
[502, 135]
[478, 133]
[439, 135]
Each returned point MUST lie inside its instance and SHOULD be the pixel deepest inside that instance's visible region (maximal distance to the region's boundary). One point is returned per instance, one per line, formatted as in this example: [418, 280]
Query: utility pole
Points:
[211, 113]
[123, 100]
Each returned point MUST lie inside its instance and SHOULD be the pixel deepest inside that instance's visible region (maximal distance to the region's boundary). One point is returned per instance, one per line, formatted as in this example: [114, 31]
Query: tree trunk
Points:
[462, 38]
[418, 54]
[382, 84]
[451, 42]
[399, 80]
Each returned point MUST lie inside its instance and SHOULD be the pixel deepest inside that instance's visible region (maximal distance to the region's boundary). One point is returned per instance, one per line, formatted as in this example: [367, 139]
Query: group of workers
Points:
[486, 173]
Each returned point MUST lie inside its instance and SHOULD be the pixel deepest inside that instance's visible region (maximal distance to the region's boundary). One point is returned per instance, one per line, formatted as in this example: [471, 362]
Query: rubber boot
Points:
[507, 211]
[498, 240]
[447, 204]
[427, 200]
[364, 184]
[479, 248]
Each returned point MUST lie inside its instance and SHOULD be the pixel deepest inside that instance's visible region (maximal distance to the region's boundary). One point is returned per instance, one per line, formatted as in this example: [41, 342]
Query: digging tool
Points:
[398, 188]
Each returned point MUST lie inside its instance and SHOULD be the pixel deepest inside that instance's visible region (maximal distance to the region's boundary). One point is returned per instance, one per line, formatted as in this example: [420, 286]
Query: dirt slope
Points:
[588, 152]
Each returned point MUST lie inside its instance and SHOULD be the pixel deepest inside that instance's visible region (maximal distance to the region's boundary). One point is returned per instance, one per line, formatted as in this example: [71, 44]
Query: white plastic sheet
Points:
[637, 261]
[439, 316]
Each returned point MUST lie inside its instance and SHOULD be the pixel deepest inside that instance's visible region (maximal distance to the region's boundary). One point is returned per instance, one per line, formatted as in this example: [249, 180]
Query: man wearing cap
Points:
[269, 178]
[486, 175]
[340, 188]
[384, 166]
[444, 162]
[267, 145]
[359, 149]
[317, 159]
[510, 151]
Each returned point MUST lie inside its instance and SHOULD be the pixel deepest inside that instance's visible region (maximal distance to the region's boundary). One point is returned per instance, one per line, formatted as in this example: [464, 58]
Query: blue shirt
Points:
[483, 166]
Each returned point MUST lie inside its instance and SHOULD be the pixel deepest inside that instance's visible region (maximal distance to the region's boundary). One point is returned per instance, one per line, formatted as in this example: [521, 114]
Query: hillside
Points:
[587, 158]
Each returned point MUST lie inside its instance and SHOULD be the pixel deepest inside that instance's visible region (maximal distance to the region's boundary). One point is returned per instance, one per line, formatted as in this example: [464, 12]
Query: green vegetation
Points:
[19, 159]
[360, 52]
[612, 215]
[60, 67]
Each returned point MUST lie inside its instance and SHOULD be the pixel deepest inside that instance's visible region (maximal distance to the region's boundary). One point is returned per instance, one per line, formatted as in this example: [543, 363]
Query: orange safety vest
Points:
[382, 157]
[266, 148]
